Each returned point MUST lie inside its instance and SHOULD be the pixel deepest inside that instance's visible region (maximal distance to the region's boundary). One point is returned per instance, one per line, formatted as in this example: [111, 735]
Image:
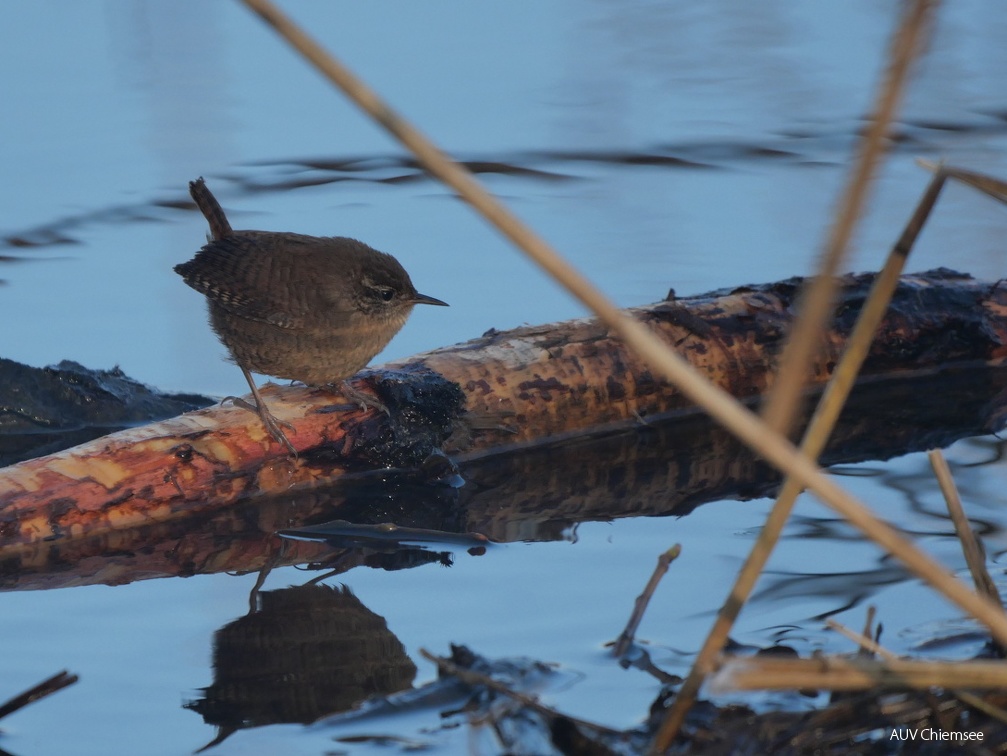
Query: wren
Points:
[311, 309]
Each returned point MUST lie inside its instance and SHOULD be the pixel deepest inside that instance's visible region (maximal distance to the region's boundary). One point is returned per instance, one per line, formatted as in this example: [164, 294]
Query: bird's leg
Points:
[364, 400]
[273, 425]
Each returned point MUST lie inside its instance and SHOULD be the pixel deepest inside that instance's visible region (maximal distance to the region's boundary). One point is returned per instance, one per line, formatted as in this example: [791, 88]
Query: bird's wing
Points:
[236, 273]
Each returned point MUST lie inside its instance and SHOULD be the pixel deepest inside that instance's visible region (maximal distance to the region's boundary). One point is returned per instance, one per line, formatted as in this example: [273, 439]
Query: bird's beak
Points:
[424, 299]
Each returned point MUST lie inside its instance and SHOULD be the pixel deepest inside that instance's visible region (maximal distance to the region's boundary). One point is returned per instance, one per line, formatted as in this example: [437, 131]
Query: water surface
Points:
[691, 146]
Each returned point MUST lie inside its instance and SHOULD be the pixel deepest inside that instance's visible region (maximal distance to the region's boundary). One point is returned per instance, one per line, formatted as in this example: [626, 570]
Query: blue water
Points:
[111, 108]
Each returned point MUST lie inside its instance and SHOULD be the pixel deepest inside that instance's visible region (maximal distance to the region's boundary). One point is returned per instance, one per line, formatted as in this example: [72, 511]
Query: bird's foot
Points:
[363, 400]
[274, 426]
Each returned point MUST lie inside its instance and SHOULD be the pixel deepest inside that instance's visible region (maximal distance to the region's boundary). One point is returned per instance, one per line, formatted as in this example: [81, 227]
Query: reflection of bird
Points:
[311, 309]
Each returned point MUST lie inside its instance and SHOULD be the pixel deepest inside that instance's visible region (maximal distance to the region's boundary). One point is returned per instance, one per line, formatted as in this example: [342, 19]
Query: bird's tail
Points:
[210, 208]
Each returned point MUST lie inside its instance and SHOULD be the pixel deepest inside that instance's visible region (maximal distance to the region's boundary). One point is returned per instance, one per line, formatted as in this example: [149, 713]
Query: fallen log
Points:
[562, 379]
[537, 494]
[45, 410]
[526, 386]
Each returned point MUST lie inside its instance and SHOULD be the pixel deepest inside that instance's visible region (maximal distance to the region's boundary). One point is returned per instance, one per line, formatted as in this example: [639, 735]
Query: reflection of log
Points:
[239, 538]
[544, 382]
[666, 468]
[670, 468]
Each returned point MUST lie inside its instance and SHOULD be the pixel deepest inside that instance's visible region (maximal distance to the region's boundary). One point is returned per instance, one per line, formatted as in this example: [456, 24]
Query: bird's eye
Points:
[386, 293]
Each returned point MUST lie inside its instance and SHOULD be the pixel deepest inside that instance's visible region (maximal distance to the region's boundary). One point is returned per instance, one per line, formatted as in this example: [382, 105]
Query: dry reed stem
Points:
[868, 644]
[640, 606]
[854, 673]
[45, 688]
[477, 679]
[994, 187]
[861, 639]
[869, 630]
[816, 301]
[721, 406]
[817, 435]
[973, 551]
